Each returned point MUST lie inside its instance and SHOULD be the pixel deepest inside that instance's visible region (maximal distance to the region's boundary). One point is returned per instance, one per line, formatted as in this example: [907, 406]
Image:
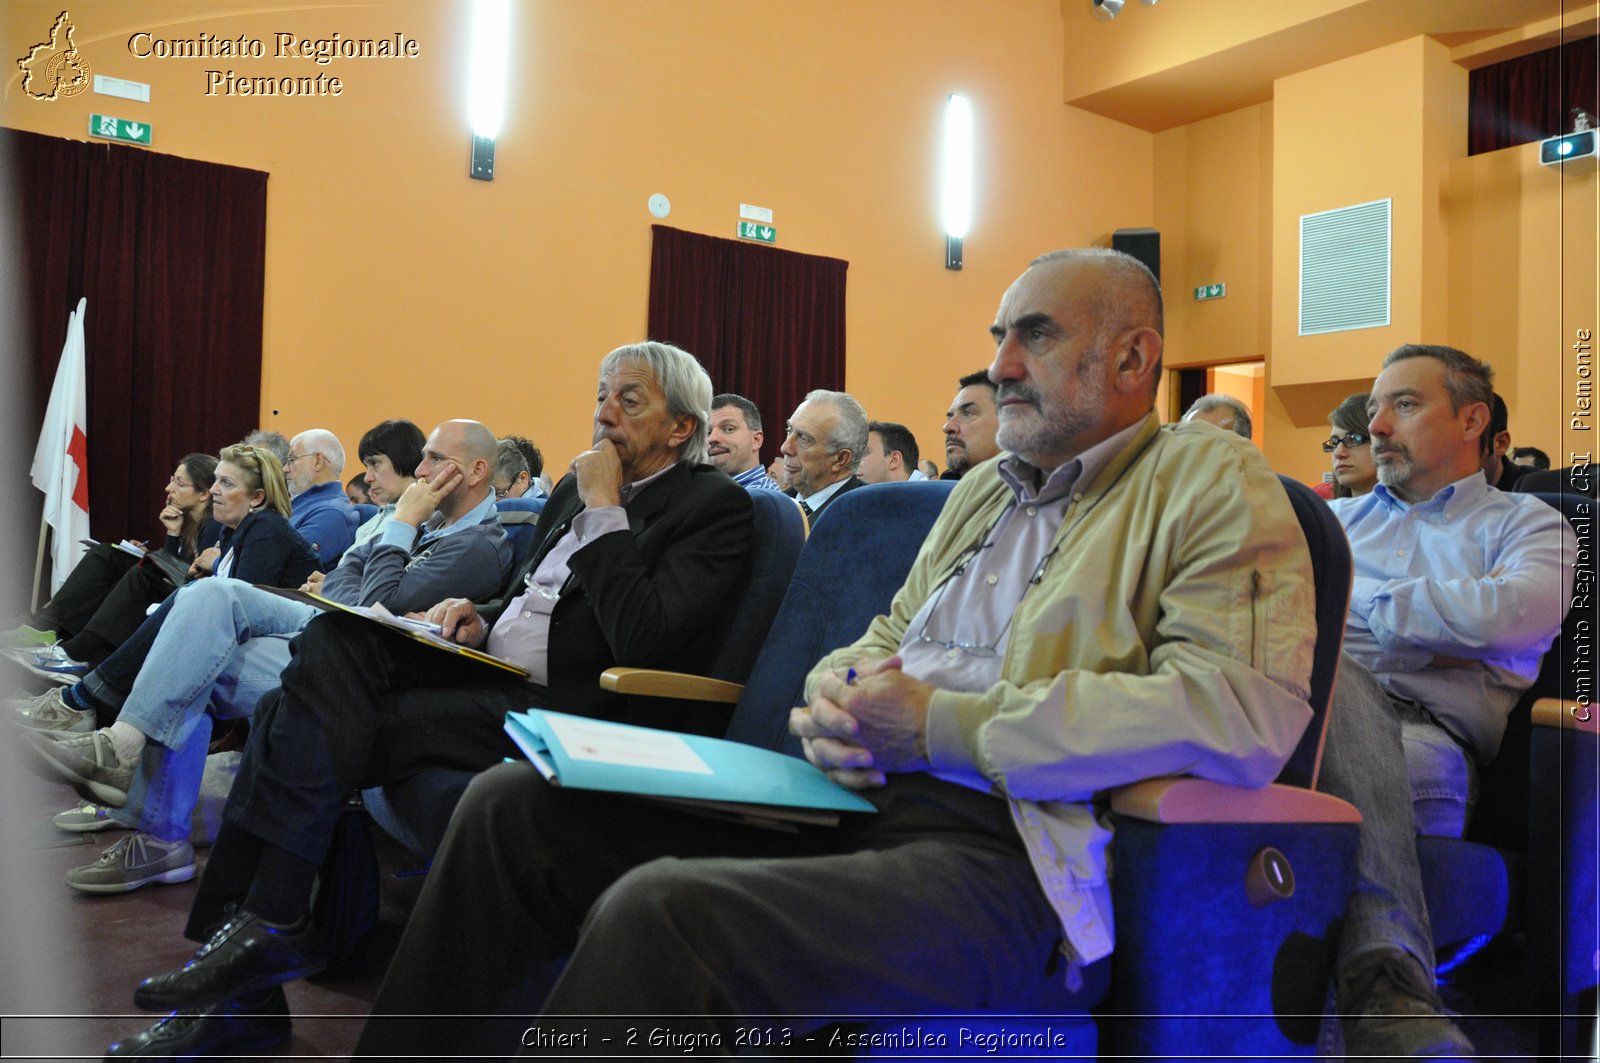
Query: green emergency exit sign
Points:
[1210, 291]
[125, 130]
[754, 230]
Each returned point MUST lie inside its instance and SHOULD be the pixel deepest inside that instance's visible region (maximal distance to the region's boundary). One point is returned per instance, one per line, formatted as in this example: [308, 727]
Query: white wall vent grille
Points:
[1344, 268]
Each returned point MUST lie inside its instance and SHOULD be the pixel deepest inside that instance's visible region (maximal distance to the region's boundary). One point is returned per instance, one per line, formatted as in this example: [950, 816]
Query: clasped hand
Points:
[860, 732]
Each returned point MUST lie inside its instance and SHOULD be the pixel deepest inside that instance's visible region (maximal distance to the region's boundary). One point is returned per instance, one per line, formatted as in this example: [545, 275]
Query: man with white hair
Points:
[322, 513]
[642, 548]
[822, 449]
[1224, 411]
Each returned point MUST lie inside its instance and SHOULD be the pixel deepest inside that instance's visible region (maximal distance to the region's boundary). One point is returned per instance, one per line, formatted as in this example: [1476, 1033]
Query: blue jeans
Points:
[1444, 776]
[1363, 762]
[220, 650]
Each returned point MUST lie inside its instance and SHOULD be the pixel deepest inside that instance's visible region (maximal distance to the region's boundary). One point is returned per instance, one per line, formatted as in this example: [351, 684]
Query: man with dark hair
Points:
[1459, 590]
[735, 442]
[970, 425]
[641, 546]
[355, 489]
[822, 449]
[973, 716]
[1532, 457]
[891, 455]
[1498, 469]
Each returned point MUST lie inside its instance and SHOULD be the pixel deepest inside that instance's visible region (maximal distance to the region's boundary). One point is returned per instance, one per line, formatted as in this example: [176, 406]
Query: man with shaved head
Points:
[1067, 626]
[320, 510]
[642, 546]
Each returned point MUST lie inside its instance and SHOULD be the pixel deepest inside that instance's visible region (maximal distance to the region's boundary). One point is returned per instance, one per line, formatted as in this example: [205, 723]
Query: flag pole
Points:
[38, 564]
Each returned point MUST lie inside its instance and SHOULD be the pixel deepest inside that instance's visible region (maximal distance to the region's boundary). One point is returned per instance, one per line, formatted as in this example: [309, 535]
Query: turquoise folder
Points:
[730, 777]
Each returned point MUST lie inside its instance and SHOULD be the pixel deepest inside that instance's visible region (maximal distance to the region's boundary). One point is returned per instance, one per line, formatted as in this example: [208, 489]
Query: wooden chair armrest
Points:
[1186, 800]
[654, 683]
[1560, 712]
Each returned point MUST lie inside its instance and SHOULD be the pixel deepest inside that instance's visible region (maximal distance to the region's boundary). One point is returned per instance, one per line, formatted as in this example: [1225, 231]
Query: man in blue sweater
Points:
[322, 512]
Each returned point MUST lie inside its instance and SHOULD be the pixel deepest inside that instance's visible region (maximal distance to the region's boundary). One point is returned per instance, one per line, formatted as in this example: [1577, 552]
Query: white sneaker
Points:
[49, 713]
[86, 817]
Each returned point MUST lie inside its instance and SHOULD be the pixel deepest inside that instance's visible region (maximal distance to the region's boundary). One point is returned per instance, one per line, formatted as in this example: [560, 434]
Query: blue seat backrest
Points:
[519, 517]
[1331, 571]
[778, 534]
[365, 511]
[847, 573]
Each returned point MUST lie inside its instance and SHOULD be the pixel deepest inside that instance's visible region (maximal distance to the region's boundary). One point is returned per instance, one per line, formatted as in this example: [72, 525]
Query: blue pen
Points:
[849, 677]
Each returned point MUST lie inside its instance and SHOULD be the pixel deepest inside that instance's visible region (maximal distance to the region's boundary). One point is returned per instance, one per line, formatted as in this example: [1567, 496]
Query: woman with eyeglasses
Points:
[107, 594]
[1354, 472]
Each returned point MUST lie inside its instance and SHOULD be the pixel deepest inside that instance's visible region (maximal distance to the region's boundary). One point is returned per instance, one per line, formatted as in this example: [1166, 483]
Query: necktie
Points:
[805, 509]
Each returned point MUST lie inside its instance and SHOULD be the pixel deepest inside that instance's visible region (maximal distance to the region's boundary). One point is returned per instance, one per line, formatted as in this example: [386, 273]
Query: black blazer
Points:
[849, 485]
[267, 550]
[653, 598]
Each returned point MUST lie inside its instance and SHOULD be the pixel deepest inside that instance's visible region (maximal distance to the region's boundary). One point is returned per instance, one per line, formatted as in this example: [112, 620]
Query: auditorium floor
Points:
[99, 947]
[108, 943]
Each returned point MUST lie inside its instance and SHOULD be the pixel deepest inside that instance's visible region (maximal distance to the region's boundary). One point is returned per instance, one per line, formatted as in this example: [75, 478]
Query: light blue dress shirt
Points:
[1472, 574]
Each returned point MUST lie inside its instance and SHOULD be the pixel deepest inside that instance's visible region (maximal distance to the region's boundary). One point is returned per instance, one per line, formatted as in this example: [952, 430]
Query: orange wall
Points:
[1213, 202]
[397, 286]
[1338, 143]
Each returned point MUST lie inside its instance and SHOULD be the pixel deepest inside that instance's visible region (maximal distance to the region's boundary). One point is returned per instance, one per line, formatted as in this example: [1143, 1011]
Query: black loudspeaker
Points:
[1142, 244]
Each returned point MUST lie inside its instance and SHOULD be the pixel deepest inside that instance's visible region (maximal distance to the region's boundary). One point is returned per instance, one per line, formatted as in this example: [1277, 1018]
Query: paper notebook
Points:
[423, 632]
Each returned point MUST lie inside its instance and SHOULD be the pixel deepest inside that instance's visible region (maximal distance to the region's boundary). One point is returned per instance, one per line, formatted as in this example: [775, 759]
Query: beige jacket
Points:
[1172, 634]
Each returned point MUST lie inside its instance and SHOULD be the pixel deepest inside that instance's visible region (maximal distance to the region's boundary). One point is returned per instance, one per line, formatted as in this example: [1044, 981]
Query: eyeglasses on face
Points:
[1349, 439]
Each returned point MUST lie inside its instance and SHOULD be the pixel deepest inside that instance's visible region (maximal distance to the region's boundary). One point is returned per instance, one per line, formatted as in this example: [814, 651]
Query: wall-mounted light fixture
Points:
[955, 174]
[1106, 10]
[486, 81]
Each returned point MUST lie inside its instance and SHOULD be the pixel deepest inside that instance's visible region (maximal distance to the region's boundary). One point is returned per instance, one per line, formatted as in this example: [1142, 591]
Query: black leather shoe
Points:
[245, 955]
[232, 1028]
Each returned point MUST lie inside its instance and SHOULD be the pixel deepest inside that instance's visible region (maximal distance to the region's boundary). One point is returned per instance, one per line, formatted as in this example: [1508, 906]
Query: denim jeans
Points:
[1444, 776]
[1363, 762]
[220, 650]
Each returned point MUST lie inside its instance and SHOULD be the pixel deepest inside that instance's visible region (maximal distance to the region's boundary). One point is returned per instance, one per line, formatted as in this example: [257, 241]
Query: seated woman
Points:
[1354, 472]
[250, 500]
[106, 596]
[225, 644]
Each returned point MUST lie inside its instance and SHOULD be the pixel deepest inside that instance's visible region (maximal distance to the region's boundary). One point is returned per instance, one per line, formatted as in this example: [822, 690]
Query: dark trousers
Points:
[360, 705]
[84, 590]
[930, 906]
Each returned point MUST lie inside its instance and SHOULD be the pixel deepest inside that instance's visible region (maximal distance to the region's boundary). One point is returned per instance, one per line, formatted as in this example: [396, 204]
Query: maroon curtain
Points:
[1531, 97]
[766, 324]
[171, 254]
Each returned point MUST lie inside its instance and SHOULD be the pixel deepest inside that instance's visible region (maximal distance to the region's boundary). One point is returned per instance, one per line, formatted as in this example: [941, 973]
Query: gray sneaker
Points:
[86, 817]
[1390, 1010]
[47, 712]
[89, 760]
[137, 860]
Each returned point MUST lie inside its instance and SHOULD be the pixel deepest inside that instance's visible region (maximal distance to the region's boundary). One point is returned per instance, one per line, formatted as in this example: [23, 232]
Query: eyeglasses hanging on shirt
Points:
[964, 560]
